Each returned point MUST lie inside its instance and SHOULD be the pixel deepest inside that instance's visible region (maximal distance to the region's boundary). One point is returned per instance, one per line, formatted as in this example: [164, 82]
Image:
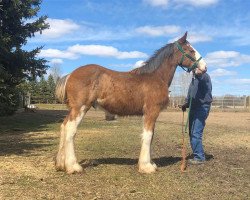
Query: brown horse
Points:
[142, 91]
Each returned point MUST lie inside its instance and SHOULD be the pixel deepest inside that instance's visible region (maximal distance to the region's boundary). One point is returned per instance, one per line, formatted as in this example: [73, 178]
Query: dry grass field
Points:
[109, 153]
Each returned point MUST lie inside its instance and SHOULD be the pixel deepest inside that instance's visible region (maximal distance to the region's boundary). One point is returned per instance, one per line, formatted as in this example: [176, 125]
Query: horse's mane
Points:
[154, 62]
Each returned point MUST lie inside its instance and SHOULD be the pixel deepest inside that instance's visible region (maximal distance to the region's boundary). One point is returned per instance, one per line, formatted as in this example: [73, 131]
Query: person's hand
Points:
[184, 107]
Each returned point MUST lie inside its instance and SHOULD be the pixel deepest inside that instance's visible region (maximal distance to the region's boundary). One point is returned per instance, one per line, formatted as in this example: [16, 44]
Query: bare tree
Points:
[56, 71]
[179, 88]
[180, 84]
[185, 82]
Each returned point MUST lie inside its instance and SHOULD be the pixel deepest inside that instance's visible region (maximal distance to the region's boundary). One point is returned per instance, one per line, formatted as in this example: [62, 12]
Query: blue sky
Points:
[118, 34]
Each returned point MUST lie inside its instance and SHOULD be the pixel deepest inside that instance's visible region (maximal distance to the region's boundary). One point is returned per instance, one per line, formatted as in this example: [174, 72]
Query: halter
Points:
[184, 54]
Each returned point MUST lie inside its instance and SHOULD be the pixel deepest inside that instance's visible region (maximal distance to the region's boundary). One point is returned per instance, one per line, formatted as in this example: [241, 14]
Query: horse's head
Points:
[189, 57]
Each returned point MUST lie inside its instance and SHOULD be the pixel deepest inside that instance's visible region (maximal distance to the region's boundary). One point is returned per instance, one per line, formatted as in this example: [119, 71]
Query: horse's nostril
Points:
[205, 68]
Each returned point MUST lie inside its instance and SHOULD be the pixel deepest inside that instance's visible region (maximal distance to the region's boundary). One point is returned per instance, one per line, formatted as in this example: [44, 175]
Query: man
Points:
[200, 91]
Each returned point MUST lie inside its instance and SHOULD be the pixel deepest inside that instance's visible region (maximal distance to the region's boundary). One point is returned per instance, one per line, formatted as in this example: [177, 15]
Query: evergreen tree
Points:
[51, 88]
[34, 91]
[30, 88]
[17, 64]
[43, 90]
[40, 92]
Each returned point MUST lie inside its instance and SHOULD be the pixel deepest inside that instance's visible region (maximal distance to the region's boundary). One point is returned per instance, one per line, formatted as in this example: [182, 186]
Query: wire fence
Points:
[222, 103]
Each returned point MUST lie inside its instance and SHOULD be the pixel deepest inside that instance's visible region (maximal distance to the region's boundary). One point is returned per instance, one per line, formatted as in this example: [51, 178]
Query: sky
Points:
[121, 34]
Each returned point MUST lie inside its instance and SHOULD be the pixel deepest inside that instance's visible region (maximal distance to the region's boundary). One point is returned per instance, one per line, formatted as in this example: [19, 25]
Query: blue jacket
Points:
[200, 90]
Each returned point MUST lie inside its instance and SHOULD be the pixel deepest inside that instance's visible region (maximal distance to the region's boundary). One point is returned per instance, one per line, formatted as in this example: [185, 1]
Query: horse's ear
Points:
[183, 39]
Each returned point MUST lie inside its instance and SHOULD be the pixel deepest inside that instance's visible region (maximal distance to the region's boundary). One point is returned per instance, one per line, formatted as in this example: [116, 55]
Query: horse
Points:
[142, 91]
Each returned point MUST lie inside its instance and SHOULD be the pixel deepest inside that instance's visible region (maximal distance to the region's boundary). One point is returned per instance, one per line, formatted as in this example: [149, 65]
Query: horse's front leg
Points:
[145, 163]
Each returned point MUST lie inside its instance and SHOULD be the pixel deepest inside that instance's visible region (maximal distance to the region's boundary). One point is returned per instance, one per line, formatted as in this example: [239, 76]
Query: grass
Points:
[109, 153]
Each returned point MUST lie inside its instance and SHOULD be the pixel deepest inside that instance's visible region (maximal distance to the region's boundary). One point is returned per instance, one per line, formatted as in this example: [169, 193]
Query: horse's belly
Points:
[120, 107]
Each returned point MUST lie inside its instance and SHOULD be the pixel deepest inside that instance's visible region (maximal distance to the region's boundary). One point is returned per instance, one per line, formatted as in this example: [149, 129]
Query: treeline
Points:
[42, 91]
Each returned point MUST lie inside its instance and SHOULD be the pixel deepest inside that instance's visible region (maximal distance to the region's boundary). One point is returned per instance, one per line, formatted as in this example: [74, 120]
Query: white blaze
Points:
[202, 64]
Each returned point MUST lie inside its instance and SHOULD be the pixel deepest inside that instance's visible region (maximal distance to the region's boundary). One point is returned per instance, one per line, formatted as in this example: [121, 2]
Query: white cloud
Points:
[131, 54]
[158, 30]
[195, 38]
[139, 63]
[226, 59]
[222, 72]
[239, 81]
[59, 27]
[197, 3]
[120, 65]
[228, 32]
[242, 38]
[224, 54]
[163, 3]
[55, 53]
[66, 30]
[94, 50]
[75, 51]
[105, 51]
[56, 61]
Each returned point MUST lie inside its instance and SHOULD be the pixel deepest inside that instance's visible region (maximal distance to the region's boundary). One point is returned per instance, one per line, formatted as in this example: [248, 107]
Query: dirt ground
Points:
[109, 153]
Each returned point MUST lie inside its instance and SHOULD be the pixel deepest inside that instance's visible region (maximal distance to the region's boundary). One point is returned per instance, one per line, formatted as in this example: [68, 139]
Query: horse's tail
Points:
[60, 88]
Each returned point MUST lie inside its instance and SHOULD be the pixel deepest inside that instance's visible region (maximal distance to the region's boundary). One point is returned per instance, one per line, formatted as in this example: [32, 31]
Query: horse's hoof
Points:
[76, 168]
[147, 168]
[154, 165]
[59, 166]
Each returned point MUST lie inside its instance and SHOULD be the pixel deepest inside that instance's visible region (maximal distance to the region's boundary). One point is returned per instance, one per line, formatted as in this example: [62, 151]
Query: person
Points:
[200, 91]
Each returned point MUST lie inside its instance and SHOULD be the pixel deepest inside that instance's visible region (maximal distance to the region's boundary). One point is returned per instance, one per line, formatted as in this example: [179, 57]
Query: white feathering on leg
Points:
[70, 158]
[145, 165]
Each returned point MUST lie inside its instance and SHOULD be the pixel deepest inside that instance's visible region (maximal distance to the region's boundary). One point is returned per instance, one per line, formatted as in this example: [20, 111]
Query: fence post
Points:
[222, 106]
[249, 103]
[245, 102]
[234, 102]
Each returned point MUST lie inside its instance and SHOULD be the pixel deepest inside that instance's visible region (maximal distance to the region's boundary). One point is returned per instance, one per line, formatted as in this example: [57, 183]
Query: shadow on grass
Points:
[161, 162]
[30, 122]
[14, 131]
[207, 156]
[18, 146]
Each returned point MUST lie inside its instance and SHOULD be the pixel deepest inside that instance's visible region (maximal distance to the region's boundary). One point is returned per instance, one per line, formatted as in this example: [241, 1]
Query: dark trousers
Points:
[198, 116]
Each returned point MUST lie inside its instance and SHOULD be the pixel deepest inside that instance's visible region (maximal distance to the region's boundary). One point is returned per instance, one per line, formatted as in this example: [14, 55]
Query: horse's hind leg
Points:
[60, 158]
[66, 159]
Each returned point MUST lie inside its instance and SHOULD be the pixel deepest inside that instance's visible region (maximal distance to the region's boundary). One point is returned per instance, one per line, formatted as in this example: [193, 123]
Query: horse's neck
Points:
[166, 71]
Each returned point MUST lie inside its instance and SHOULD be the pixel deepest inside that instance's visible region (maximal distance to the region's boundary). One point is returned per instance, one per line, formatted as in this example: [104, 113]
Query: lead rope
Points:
[184, 146]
